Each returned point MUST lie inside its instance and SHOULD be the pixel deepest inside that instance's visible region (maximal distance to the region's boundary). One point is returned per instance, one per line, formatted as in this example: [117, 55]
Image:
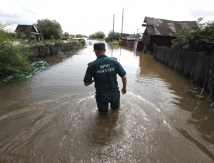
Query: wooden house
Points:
[128, 37]
[29, 32]
[161, 32]
[129, 40]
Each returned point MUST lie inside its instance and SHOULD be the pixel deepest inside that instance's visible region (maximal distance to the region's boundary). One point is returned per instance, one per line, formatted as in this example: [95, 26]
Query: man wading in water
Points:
[104, 71]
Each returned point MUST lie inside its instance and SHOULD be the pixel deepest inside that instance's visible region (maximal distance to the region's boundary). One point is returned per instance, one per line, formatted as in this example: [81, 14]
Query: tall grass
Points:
[12, 59]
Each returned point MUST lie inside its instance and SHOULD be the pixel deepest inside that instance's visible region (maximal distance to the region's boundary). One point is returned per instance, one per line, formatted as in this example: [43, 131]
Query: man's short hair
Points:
[99, 46]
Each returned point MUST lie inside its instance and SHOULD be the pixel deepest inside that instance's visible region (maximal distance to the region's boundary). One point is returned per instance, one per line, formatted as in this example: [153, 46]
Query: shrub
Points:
[113, 36]
[12, 59]
[97, 35]
[49, 28]
[199, 38]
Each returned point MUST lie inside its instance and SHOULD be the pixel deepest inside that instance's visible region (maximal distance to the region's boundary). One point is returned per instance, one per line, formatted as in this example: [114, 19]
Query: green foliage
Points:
[72, 35]
[97, 35]
[13, 60]
[66, 34]
[146, 51]
[198, 38]
[49, 28]
[80, 36]
[115, 43]
[113, 36]
[52, 38]
[36, 67]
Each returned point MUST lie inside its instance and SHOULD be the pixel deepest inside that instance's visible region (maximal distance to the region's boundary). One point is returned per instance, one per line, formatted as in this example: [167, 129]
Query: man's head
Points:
[99, 48]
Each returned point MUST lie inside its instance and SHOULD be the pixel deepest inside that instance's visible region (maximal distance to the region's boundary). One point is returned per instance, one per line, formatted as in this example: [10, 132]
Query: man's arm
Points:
[88, 79]
[86, 84]
[124, 80]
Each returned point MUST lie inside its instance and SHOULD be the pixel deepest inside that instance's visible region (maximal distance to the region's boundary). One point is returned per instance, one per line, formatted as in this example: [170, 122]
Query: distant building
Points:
[161, 32]
[128, 37]
[129, 40]
[29, 32]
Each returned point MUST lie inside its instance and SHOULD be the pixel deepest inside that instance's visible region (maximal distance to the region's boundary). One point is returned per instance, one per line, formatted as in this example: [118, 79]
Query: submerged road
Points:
[52, 117]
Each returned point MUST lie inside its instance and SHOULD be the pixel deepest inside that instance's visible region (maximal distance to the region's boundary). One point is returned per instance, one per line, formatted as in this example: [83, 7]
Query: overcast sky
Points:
[89, 16]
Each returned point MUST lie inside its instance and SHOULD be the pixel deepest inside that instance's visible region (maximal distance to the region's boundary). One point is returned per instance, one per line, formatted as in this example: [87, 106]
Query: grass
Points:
[115, 43]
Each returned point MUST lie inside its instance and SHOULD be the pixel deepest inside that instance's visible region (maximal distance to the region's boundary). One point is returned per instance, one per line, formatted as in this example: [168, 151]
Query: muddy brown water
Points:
[52, 117]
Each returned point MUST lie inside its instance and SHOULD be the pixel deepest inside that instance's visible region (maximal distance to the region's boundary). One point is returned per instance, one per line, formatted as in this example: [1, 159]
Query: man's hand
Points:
[86, 84]
[124, 80]
[123, 90]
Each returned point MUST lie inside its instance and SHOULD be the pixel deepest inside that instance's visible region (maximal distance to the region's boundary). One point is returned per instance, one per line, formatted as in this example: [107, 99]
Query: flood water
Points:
[52, 117]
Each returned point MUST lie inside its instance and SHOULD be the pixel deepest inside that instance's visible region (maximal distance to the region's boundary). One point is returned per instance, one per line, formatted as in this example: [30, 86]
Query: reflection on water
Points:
[52, 117]
[103, 129]
[71, 130]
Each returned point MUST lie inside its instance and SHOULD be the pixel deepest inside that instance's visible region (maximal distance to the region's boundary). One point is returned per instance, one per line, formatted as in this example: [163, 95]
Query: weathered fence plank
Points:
[197, 67]
[211, 81]
[51, 49]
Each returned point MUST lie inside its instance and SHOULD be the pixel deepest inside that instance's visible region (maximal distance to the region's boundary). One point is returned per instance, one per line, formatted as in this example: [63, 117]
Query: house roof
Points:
[26, 28]
[164, 27]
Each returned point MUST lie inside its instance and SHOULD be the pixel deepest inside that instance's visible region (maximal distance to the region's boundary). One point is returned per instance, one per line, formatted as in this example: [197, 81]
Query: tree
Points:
[198, 38]
[49, 28]
[72, 35]
[80, 36]
[97, 35]
[113, 36]
[12, 59]
[66, 34]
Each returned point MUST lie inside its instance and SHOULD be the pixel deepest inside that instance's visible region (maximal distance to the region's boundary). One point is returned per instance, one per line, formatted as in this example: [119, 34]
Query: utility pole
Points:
[122, 24]
[113, 30]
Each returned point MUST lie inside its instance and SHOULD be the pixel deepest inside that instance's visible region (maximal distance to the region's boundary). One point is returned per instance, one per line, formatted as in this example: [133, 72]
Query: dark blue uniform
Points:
[104, 70]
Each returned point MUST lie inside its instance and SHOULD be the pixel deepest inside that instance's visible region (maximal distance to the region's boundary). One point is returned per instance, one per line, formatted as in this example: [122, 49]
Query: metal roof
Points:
[26, 28]
[164, 27]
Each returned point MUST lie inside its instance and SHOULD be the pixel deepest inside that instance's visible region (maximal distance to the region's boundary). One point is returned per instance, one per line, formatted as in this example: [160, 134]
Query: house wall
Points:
[163, 41]
[32, 36]
[146, 39]
[23, 35]
[140, 45]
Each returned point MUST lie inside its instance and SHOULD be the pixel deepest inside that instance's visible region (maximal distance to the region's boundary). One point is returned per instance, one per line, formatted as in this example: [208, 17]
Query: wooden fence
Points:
[42, 51]
[197, 67]
[128, 44]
